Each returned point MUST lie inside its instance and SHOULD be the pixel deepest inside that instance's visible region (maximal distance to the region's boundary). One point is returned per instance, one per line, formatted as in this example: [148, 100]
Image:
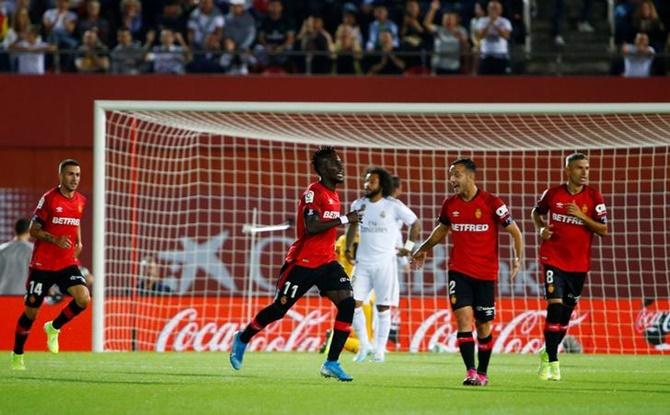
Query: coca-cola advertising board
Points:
[196, 324]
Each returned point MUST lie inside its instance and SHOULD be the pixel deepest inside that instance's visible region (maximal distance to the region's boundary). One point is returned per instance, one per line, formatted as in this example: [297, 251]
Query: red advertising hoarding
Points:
[194, 324]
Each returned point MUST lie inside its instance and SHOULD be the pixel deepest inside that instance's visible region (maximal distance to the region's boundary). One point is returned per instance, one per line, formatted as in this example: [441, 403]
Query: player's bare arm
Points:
[352, 230]
[37, 232]
[514, 230]
[595, 227]
[412, 235]
[541, 226]
[436, 236]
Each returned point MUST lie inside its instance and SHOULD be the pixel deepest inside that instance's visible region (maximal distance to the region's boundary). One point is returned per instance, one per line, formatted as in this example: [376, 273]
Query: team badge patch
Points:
[550, 288]
[31, 299]
[478, 213]
[585, 209]
[382, 214]
[283, 300]
[453, 299]
[309, 197]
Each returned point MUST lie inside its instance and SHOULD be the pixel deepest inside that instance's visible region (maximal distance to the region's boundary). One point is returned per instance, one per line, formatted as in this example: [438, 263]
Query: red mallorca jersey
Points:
[569, 248]
[474, 233]
[314, 250]
[59, 216]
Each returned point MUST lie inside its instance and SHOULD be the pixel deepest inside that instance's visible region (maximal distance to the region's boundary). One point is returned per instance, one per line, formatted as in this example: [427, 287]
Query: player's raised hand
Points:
[62, 241]
[355, 216]
[547, 231]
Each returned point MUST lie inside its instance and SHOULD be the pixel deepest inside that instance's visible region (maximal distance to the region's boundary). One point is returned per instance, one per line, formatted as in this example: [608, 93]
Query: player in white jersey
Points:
[376, 265]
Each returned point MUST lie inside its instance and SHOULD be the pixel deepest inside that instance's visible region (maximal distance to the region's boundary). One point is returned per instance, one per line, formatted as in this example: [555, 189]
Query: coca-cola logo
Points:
[654, 325]
[522, 334]
[186, 331]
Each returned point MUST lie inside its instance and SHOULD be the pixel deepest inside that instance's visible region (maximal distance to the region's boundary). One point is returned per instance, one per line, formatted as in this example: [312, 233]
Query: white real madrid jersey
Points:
[379, 228]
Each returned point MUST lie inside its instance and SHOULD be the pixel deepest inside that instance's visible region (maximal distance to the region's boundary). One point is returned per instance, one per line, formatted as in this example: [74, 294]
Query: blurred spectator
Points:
[479, 14]
[638, 57]
[150, 281]
[559, 17]
[381, 23]
[59, 25]
[348, 50]
[168, 57]
[128, 57]
[205, 19]
[450, 41]
[240, 26]
[388, 63]
[412, 34]
[172, 17]
[646, 20]
[92, 54]
[275, 36]
[234, 62]
[318, 45]
[14, 259]
[131, 17]
[94, 21]
[17, 31]
[30, 60]
[493, 32]
[207, 60]
[350, 22]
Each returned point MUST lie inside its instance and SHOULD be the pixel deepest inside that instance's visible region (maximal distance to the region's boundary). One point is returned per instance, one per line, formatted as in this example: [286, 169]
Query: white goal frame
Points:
[101, 107]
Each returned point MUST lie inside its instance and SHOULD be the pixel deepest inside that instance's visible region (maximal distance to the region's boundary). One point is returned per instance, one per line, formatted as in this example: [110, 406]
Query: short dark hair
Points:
[385, 180]
[467, 163]
[321, 154]
[395, 180]
[574, 157]
[21, 226]
[67, 162]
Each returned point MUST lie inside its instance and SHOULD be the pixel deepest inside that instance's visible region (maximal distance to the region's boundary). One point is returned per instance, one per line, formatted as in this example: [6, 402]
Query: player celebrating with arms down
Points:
[376, 264]
[311, 261]
[576, 211]
[471, 216]
[56, 227]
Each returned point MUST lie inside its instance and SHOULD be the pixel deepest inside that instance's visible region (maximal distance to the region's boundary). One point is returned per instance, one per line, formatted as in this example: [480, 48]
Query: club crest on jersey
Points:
[283, 299]
[309, 197]
[453, 299]
[585, 209]
[550, 288]
[59, 209]
[382, 214]
[455, 213]
[559, 205]
[80, 208]
[478, 213]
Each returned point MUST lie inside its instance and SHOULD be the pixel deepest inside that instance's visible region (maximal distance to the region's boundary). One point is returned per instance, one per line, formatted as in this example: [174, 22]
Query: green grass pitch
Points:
[289, 383]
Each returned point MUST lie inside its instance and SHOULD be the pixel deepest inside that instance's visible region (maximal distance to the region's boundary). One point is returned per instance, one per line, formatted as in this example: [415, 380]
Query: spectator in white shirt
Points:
[59, 25]
[204, 20]
[638, 58]
[169, 58]
[494, 32]
[31, 59]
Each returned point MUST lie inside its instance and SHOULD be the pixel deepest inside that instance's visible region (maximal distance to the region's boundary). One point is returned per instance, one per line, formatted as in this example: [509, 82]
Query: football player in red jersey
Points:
[56, 228]
[472, 216]
[575, 211]
[311, 261]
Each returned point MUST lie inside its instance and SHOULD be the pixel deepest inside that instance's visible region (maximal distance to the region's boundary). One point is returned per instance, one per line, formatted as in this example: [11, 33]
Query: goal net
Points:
[195, 207]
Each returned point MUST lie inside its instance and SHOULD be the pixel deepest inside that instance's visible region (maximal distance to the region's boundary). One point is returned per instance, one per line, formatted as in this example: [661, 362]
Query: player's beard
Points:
[370, 194]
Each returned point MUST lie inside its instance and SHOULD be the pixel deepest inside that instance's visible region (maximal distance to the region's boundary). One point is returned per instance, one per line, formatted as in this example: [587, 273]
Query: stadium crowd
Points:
[292, 36]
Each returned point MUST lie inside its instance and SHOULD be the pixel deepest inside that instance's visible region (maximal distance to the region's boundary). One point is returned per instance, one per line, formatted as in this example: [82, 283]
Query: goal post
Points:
[194, 204]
